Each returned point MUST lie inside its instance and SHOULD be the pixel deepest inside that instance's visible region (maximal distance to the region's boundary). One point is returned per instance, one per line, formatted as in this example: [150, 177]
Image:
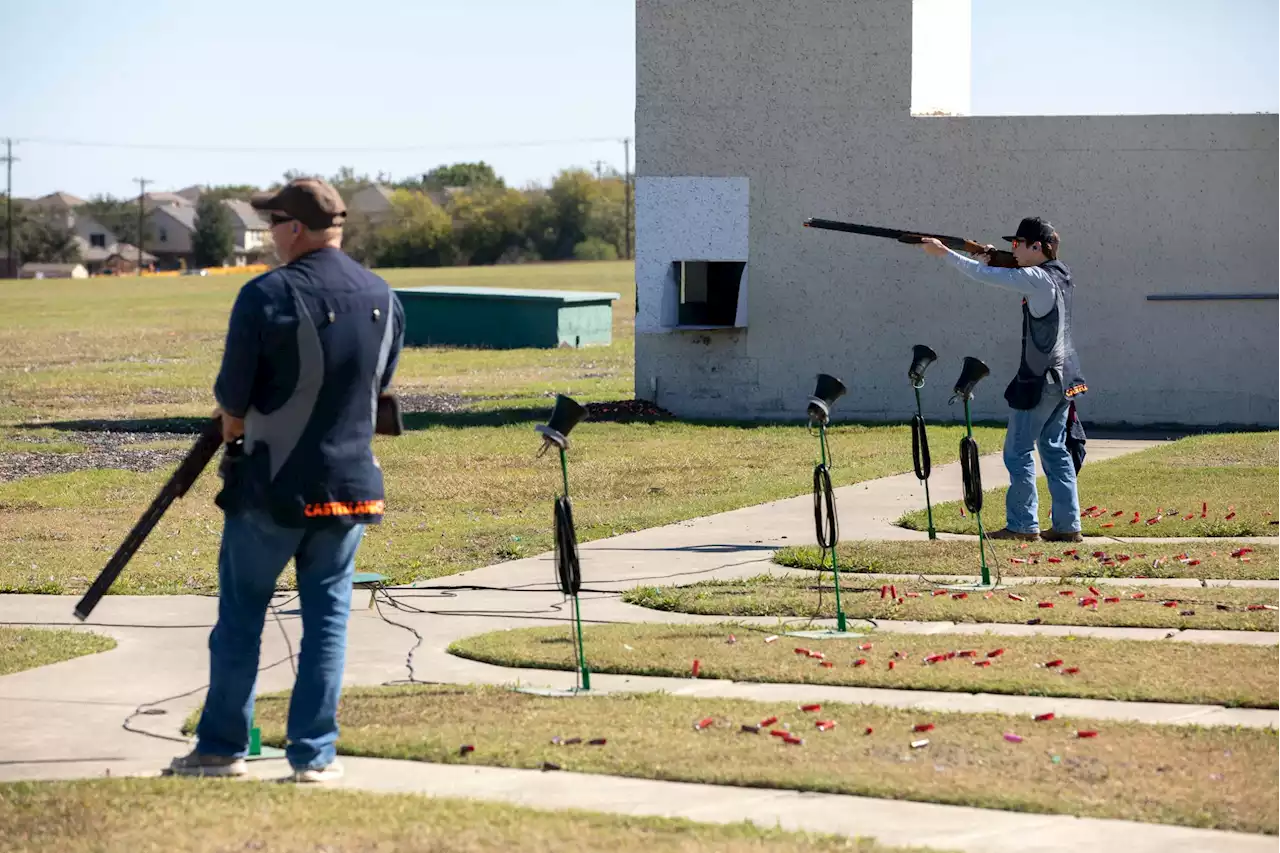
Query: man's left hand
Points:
[934, 247]
[232, 427]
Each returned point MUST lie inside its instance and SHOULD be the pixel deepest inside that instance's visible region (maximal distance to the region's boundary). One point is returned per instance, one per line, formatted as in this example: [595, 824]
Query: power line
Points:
[250, 149]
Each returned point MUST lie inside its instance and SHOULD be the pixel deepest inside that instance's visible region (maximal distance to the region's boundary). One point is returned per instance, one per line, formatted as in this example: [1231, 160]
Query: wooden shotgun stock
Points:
[999, 257]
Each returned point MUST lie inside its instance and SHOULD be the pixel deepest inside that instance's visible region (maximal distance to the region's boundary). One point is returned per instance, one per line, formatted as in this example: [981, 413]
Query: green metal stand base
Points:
[258, 752]
[829, 634]
[554, 692]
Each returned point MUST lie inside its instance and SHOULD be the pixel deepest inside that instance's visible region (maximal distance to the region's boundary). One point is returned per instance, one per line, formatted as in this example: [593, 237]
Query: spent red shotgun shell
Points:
[768, 721]
[813, 707]
[802, 651]
[982, 663]
[697, 667]
[465, 748]
[869, 730]
[995, 653]
[793, 740]
[938, 592]
[1066, 592]
[860, 662]
[703, 723]
[779, 733]
[826, 664]
[1045, 604]
[865, 647]
[968, 653]
[1043, 718]
[1115, 599]
[891, 664]
[599, 741]
[959, 595]
[823, 725]
[1086, 733]
[755, 730]
[923, 727]
[1055, 662]
[1071, 670]
[893, 591]
[1095, 591]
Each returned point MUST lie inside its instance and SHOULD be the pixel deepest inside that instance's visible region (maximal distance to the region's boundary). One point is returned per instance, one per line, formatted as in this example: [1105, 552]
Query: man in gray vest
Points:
[1047, 382]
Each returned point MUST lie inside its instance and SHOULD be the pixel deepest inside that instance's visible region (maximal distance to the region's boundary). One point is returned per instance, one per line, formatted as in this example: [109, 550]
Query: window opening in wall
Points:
[98, 241]
[708, 292]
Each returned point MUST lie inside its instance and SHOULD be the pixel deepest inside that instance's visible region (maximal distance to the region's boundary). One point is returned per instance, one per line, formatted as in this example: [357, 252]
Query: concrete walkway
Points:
[64, 720]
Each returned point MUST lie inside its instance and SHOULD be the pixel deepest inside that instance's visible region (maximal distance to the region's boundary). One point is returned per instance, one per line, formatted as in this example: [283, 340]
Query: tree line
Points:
[454, 215]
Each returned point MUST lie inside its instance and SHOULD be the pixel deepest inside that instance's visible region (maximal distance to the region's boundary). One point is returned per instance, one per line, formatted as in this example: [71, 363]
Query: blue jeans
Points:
[255, 550]
[1046, 426]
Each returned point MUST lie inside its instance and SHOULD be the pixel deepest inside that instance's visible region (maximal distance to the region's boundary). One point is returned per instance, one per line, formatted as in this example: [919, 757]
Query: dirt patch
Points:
[434, 403]
[105, 450]
[626, 411]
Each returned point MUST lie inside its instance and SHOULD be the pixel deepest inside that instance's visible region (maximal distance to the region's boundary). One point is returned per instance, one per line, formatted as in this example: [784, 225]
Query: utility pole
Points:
[599, 163]
[626, 174]
[10, 265]
[142, 225]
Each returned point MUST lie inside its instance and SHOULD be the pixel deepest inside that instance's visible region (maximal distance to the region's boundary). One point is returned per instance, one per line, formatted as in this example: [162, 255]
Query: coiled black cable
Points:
[568, 572]
[972, 474]
[920, 448]
[824, 509]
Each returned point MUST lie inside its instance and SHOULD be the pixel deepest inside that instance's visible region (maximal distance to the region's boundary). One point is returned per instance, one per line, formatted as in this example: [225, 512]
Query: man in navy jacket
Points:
[310, 346]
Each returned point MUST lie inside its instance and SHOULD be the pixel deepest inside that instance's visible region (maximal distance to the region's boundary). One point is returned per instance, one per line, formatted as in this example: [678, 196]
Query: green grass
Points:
[464, 489]
[790, 597]
[28, 648]
[1218, 778]
[952, 557]
[1230, 473]
[1124, 670]
[203, 816]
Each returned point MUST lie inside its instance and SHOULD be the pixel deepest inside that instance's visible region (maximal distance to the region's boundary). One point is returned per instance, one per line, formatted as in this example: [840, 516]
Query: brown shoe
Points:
[1060, 536]
[1006, 533]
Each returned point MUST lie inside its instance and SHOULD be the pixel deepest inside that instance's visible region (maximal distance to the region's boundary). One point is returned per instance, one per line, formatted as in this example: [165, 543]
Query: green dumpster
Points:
[506, 318]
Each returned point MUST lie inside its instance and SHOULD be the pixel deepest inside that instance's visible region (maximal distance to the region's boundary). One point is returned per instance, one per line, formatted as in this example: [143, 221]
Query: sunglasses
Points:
[280, 218]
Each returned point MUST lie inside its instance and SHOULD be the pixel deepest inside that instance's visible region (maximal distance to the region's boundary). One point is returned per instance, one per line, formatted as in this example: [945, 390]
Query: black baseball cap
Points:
[312, 201]
[1033, 229]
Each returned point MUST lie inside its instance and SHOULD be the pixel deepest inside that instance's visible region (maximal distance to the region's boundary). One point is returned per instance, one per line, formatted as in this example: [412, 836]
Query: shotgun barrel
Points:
[188, 471]
[999, 257]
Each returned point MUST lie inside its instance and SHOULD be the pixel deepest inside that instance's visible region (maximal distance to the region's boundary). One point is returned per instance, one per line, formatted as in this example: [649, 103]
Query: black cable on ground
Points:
[920, 448]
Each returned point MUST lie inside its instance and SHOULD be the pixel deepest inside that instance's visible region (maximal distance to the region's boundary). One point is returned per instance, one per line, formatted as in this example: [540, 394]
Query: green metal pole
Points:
[835, 570]
[577, 612]
[982, 552]
[928, 505]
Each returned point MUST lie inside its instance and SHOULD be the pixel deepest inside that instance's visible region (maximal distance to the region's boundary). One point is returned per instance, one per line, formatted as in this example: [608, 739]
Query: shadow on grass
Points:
[178, 425]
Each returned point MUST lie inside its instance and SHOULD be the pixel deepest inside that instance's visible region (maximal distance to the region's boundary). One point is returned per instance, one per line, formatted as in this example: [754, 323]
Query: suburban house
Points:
[251, 240]
[101, 251]
[171, 227]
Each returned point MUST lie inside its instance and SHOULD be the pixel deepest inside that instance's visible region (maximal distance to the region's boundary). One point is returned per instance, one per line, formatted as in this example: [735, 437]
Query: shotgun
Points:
[999, 257]
[188, 471]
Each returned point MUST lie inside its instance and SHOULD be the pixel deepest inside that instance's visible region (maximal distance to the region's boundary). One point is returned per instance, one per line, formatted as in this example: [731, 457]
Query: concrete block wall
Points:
[808, 103]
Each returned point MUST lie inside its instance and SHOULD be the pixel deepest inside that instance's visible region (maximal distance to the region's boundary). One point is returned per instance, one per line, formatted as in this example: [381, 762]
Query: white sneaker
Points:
[328, 773]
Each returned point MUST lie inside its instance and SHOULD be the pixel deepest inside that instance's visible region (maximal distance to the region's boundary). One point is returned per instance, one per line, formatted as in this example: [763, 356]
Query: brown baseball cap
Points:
[312, 201]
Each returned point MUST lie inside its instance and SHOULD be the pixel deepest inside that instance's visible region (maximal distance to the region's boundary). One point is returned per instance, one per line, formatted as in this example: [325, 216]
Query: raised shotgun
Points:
[999, 257]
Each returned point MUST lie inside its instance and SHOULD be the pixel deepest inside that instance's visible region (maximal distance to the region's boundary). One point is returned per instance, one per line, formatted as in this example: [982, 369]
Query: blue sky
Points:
[444, 81]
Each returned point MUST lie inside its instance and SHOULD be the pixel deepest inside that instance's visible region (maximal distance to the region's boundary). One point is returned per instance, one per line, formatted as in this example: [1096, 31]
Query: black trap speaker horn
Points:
[829, 390]
[564, 417]
[921, 358]
[973, 372]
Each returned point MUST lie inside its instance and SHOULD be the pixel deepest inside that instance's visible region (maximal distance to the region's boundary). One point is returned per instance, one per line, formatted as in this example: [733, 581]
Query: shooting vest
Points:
[307, 457]
[1048, 351]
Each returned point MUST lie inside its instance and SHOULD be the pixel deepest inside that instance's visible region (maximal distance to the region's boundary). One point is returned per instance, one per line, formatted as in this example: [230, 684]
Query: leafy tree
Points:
[214, 237]
[418, 233]
[489, 224]
[241, 192]
[39, 238]
[595, 249]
